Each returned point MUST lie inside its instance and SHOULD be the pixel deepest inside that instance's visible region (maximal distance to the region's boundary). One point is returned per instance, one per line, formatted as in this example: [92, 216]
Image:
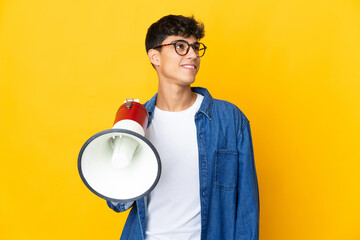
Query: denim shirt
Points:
[228, 191]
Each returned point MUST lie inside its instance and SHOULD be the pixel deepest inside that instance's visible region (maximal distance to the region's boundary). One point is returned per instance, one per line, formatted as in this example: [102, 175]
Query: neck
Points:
[175, 98]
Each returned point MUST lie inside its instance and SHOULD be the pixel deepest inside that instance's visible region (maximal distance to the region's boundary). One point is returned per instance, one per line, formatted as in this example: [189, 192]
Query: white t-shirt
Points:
[173, 210]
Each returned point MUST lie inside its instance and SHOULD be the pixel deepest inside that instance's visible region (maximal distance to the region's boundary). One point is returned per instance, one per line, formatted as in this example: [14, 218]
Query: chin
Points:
[187, 82]
[188, 79]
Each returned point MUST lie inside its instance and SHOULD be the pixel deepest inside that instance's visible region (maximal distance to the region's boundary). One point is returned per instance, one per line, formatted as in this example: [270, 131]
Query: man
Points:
[208, 187]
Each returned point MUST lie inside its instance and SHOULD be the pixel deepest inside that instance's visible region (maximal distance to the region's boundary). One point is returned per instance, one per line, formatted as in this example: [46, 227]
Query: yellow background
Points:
[293, 67]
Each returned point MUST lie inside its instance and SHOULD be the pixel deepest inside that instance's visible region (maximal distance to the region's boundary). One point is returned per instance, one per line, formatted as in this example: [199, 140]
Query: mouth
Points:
[189, 66]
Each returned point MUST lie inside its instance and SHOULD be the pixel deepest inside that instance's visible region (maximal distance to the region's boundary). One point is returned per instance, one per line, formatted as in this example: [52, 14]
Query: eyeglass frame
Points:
[192, 45]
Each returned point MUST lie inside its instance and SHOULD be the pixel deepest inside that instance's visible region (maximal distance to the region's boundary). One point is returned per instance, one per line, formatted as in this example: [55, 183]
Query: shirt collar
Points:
[207, 102]
[205, 107]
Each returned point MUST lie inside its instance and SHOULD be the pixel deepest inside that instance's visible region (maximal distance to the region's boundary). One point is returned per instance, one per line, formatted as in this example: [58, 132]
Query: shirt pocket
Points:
[226, 169]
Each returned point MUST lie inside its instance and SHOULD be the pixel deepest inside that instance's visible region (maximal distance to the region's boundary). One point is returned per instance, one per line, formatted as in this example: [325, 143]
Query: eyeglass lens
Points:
[182, 48]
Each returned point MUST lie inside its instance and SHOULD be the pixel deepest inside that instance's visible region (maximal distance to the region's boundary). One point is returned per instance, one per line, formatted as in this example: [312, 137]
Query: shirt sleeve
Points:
[119, 207]
[247, 221]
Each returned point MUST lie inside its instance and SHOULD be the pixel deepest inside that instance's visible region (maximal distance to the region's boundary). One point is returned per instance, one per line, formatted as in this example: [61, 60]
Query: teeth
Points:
[188, 66]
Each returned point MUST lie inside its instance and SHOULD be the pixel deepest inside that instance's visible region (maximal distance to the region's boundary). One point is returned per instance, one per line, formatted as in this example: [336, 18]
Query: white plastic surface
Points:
[124, 148]
[130, 125]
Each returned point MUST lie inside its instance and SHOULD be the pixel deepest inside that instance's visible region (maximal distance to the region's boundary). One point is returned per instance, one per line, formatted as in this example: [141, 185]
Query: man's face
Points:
[175, 69]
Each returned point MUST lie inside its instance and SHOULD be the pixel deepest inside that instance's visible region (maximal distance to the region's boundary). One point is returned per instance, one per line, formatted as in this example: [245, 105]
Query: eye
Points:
[196, 47]
[180, 46]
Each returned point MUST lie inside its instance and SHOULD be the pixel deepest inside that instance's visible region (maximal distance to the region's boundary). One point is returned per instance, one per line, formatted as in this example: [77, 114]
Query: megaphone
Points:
[120, 164]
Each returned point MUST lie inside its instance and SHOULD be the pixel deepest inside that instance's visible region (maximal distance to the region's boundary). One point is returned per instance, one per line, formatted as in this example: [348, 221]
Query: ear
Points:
[154, 57]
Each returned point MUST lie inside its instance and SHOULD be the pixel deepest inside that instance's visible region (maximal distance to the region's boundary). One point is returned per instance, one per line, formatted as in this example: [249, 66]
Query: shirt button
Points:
[201, 136]
[203, 164]
[203, 193]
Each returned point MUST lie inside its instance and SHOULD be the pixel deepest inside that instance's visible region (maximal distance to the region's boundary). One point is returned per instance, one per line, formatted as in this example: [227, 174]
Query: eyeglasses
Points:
[182, 47]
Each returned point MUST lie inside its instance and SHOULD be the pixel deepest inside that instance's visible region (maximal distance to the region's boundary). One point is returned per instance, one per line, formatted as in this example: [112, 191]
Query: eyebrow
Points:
[182, 40]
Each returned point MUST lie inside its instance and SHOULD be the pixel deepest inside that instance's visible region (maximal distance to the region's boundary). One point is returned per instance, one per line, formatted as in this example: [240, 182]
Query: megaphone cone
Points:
[120, 164]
